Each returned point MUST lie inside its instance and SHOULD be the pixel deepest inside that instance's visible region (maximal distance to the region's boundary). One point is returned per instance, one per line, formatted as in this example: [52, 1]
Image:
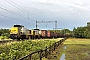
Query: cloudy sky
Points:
[67, 13]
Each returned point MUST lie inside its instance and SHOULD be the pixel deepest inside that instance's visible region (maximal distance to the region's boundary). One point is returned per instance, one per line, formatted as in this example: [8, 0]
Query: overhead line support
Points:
[46, 22]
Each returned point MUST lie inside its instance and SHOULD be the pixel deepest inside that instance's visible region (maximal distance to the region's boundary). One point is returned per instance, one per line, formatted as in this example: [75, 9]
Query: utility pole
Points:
[36, 24]
[55, 25]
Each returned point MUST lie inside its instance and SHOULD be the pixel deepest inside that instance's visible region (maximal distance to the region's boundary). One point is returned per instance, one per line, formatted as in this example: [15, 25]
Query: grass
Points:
[77, 41]
[77, 52]
[76, 49]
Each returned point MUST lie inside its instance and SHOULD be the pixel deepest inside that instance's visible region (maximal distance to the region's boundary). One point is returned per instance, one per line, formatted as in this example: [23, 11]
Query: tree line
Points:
[4, 32]
[79, 32]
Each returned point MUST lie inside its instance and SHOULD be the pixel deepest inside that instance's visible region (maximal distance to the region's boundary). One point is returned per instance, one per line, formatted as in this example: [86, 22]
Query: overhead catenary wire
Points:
[20, 8]
[45, 26]
[15, 6]
[14, 13]
[12, 18]
[46, 22]
[7, 17]
[11, 12]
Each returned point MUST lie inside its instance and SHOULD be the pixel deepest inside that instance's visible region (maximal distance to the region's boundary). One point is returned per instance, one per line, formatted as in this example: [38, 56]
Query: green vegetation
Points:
[77, 49]
[4, 38]
[4, 33]
[81, 32]
[73, 48]
[77, 41]
[16, 50]
[63, 31]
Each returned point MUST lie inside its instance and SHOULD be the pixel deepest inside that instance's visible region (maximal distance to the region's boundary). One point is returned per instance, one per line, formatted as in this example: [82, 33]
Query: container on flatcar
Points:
[44, 33]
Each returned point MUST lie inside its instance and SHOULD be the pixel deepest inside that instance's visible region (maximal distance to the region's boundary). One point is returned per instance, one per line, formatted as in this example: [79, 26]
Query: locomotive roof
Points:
[18, 26]
[35, 29]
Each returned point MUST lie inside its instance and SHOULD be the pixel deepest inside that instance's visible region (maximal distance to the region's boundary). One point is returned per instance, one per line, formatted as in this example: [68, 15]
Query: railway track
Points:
[6, 41]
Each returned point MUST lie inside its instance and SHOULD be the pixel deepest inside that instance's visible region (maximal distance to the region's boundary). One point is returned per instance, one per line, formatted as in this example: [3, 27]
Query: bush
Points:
[17, 50]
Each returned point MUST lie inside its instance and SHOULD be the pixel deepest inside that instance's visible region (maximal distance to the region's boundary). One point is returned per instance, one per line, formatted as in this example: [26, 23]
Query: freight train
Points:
[20, 32]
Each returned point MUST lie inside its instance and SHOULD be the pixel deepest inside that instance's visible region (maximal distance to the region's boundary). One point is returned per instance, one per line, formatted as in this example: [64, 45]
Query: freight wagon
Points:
[44, 33]
[50, 34]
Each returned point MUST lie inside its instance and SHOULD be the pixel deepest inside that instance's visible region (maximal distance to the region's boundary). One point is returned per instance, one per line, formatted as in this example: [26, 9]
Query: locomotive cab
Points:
[15, 32]
[20, 32]
[37, 33]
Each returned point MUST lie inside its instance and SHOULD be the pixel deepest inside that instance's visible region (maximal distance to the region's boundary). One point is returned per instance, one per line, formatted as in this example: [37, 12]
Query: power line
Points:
[10, 11]
[7, 17]
[12, 18]
[13, 12]
[15, 6]
[20, 8]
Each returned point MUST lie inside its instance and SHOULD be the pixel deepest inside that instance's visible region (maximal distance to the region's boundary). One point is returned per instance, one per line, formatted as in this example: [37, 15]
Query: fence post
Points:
[54, 46]
[50, 49]
[46, 53]
[40, 55]
[61, 41]
[30, 57]
[58, 43]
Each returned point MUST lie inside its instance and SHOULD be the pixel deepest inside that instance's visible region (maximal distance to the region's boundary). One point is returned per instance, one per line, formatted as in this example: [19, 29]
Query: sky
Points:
[67, 13]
